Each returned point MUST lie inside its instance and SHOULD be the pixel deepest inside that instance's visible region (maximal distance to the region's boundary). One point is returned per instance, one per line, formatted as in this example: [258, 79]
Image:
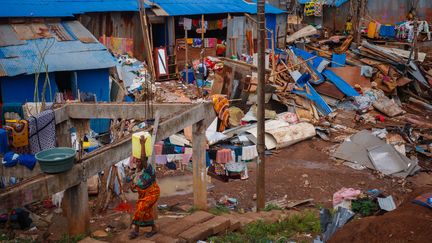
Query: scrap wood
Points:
[289, 68]
[403, 53]
[345, 45]
[304, 32]
[420, 103]
[328, 55]
[296, 203]
[352, 75]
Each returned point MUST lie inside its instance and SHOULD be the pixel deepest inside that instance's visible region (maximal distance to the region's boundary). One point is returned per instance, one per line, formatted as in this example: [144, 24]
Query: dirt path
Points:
[301, 171]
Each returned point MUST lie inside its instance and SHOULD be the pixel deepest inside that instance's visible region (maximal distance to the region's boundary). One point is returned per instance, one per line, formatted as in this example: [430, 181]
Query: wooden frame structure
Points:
[37, 185]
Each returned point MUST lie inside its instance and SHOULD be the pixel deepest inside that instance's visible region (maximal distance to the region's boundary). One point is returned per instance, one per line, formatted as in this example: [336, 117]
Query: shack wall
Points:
[97, 82]
[383, 11]
[116, 24]
[21, 88]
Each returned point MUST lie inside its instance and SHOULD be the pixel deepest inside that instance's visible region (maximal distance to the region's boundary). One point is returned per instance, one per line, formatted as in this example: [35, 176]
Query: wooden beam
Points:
[44, 185]
[121, 110]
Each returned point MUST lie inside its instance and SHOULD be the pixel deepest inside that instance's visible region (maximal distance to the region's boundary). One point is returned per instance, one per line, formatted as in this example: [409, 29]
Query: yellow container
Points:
[372, 28]
[136, 144]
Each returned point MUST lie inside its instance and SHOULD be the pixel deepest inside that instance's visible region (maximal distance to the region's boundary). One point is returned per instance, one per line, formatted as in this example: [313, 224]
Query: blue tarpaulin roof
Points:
[193, 7]
[336, 3]
[69, 47]
[63, 8]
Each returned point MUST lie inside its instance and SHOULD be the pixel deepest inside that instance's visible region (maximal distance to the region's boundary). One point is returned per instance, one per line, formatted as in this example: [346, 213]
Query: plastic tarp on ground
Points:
[280, 134]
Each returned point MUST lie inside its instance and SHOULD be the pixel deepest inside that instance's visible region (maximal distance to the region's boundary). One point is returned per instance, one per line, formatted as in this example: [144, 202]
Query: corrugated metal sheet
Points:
[67, 61]
[31, 31]
[61, 55]
[61, 34]
[79, 31]
[194, 7]
[63, 8]
[8, 36]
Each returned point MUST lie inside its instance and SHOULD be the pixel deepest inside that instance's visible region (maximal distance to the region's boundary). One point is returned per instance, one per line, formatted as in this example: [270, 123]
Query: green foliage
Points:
[365, 207]
[307, 222]
[271, 206]
[219, 210]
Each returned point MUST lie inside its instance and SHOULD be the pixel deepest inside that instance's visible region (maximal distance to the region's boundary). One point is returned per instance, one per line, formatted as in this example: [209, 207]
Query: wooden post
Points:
[186, 56]
[273, 52]
[199, 165]
[146, 37]
[260, 183]
[75, 204]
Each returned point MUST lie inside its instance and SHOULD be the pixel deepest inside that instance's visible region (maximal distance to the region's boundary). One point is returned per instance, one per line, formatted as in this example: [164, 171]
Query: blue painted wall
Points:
[271, 24]
[97, 82]
[21, 88]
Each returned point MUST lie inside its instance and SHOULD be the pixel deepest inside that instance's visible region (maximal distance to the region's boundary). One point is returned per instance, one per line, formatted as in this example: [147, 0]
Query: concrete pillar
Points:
[199, 165]
[75, 205]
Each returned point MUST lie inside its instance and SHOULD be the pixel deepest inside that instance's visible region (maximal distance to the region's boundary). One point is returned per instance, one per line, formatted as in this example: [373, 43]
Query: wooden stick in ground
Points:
[293, 66]
[273, 52]
[155, 128]
[186, 56]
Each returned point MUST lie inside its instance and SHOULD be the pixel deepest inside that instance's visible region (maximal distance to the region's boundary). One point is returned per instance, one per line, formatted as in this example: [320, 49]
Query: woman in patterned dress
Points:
[148, 194]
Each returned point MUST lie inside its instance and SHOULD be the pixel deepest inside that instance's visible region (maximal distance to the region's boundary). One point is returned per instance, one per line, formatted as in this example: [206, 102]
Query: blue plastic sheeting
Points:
[313, 64]
[340, 83]
[338, 60]
[336, 80]
[63, 8]
[309, 92]
[194, 7]
[336, 3]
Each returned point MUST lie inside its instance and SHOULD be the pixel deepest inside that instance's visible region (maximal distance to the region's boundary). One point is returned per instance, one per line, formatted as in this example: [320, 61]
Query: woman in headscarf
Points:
[148, 194]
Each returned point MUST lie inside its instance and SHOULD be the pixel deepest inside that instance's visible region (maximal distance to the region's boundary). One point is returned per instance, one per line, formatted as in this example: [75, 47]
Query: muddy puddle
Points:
[177, 185]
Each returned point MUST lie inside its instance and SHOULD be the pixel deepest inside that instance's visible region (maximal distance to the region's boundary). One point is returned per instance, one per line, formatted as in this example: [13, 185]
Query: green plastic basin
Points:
[56, 160]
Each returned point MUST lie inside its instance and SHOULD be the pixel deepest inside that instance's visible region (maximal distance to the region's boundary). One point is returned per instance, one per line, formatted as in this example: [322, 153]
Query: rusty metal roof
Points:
[68, 46]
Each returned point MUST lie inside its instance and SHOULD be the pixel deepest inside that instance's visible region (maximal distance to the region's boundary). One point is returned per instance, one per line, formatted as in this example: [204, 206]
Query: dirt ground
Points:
[301, 171]
[408, 223]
